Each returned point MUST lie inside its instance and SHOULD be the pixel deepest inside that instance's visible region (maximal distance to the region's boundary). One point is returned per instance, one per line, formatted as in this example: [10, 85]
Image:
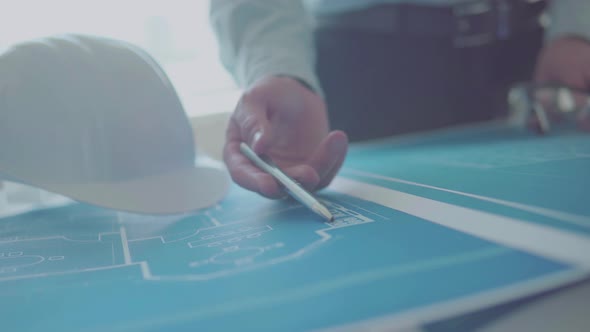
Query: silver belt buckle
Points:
[475, 23]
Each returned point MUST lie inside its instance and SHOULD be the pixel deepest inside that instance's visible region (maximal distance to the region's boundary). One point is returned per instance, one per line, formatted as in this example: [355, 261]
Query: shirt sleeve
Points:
[569, 17]
[259, 38]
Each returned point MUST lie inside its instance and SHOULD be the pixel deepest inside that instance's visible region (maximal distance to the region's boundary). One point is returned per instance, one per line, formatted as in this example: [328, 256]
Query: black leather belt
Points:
[471, 23]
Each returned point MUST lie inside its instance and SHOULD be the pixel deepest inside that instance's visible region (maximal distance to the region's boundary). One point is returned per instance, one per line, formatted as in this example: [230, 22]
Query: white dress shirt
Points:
[259, 38]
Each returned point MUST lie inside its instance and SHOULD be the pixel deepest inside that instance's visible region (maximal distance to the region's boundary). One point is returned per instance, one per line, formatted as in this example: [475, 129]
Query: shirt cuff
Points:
[265, 66]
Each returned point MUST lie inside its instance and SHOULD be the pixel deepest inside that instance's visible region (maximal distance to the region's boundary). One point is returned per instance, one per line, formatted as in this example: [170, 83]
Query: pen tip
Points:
[331, 219]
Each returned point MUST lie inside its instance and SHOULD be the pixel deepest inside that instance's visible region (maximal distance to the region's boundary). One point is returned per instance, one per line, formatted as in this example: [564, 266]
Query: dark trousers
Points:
[382, 84]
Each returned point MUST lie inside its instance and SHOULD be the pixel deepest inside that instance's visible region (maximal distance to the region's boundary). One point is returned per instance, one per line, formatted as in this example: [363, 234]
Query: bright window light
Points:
[176, 32]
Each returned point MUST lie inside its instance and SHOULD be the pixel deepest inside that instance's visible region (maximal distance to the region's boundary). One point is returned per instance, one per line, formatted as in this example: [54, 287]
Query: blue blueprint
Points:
[551, 172]
[254, 264]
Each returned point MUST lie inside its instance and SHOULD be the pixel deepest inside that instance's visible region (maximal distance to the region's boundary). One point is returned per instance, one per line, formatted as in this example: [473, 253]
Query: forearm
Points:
[259, 38]
[569, 18]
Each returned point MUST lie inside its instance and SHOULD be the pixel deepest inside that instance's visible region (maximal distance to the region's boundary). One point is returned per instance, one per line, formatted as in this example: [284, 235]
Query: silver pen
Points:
[292, 187]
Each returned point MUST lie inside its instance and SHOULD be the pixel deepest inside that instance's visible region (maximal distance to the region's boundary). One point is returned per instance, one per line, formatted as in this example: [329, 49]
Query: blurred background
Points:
[175, 32]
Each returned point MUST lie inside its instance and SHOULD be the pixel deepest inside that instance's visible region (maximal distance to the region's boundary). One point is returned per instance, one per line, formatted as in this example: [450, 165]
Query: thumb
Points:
[252, 119]
[262, 140]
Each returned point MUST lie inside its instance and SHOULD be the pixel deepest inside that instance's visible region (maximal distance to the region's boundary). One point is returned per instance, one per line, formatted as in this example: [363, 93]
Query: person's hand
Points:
[566, 60]
[282, 119]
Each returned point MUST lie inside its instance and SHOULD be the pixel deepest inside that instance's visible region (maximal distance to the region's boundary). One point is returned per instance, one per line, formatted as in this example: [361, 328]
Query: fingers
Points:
[565, 60]
[316, 174]
[242, 171]
[288, 139]
[245, 174]
[249, 176]
[328, 157]
[305, 175]
[250, 124]
[252, 118]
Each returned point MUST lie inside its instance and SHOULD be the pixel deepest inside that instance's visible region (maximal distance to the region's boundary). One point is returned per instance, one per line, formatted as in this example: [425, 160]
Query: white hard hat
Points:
[97, 120]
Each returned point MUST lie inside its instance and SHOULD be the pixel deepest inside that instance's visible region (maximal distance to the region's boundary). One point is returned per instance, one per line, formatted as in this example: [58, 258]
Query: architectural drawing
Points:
[199, 247]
